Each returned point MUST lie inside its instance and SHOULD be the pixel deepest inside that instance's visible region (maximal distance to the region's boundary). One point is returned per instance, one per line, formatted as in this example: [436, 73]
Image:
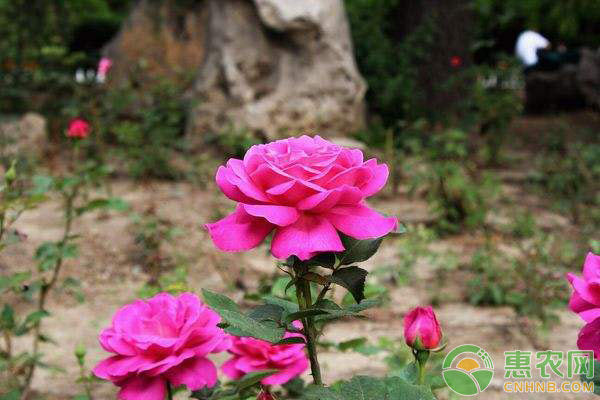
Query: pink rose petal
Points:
[309, 235]
[239, 231]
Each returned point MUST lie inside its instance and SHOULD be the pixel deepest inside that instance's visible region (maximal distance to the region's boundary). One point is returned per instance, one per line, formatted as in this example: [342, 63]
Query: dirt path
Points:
[110, 279]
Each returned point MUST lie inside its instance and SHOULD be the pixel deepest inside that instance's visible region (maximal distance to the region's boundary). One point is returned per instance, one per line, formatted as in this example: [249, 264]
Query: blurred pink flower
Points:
[585, 299]
[159, 340]
[305, 189]
[589, 338]
[103, 67]
[78, 128]
[251, 355]
[421, 329]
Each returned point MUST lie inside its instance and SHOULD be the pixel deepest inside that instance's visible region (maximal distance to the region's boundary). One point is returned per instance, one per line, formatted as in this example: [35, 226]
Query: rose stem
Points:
[305, 302]
[169, 391]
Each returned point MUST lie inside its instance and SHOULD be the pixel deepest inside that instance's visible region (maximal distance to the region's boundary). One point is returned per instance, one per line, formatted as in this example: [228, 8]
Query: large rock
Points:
[24, 136]
[552, 91]
[588, 76]
[275, 67]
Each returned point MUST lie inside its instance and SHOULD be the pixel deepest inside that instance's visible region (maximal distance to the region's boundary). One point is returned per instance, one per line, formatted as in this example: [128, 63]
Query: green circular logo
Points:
[468, 375]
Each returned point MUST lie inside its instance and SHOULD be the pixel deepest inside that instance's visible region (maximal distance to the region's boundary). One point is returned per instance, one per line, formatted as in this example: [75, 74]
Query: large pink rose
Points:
[306, 190]
[163, 339]
[251, 355]
[585, 300]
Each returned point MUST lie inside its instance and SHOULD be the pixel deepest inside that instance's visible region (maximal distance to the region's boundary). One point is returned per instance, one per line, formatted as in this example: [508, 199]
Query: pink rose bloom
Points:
[78, 128]
[306, 190]
[159, 340]
[589, 338]
[585, 300]
[251, 355]
[103, 67]
[421, 329]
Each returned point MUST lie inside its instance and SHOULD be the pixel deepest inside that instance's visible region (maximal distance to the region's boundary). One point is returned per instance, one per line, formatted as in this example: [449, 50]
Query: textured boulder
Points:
[551, 91]
[274, 67]
[26, 135]
[588, 76]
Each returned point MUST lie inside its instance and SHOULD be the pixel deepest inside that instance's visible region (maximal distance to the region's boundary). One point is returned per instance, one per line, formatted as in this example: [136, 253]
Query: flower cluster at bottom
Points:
[585, 301]
[166, 340]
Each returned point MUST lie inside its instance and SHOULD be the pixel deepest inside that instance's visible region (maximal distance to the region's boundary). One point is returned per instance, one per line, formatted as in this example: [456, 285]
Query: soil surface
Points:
[110, 277]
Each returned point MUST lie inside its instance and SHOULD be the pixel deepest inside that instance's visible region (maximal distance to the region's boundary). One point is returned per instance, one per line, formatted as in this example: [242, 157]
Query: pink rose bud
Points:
[421, 329]
[78, 128]
[305, 190]
[265, 396]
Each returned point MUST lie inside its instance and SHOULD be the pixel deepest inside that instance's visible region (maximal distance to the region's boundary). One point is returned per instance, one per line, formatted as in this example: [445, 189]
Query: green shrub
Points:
[529, 277]
[570, 173]
[146, 127]
[389, 65]
[457, 192]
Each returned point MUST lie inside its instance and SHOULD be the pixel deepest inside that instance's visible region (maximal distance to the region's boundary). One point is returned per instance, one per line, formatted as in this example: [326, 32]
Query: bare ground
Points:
[110, 278]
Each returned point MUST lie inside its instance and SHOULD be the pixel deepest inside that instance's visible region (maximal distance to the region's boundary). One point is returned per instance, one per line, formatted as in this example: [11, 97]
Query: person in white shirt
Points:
[528, 44]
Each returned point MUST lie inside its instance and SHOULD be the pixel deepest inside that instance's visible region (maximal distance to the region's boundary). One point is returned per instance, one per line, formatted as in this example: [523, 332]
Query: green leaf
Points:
[352, 279]
[364, 305]
[241, 324]
[267, 312]
[595, 379]
[292, 340]
[218, 301]
[397, 388]
[288, 306]
[42, 184]
[352, 344]
[358, 250]
[7, 318]
[13, 281]
[14, 394]
[321, 393]
[369, 388]
[253, 378]
[113, 203]
[303, 314]
[30, 321]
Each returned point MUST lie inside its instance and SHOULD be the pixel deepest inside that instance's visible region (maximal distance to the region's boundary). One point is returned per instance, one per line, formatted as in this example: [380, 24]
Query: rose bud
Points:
[421, 329]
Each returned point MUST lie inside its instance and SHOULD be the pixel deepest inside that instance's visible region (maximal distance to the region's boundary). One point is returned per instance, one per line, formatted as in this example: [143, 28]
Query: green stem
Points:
[422, 371]
[46, 287]
[310, 331]
[421, 357]
[169, 391]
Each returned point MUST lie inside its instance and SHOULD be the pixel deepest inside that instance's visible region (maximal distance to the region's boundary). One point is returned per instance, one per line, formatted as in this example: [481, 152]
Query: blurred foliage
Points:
[147, 126]
[458, 192]
[574, 22]
[569, 172]
[43, 42]
[528, 276]
[390, 66]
